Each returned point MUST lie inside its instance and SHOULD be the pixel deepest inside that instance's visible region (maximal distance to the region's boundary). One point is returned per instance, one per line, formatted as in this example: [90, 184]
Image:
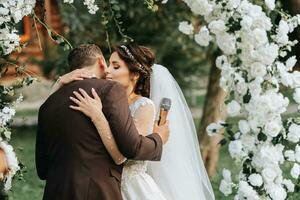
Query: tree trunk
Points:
[214, 110]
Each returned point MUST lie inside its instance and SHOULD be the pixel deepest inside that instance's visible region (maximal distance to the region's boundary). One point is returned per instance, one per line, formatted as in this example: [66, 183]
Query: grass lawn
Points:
[31, 188]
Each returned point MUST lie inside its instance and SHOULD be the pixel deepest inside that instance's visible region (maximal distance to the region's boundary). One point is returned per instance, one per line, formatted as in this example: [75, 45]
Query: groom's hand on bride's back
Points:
[162, 130]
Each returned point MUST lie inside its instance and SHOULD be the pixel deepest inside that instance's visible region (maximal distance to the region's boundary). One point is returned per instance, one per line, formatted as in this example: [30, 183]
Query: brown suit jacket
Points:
[70, 155]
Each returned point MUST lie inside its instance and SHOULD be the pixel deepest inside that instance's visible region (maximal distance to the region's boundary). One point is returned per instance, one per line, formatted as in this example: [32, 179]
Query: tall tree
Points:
[213, 110]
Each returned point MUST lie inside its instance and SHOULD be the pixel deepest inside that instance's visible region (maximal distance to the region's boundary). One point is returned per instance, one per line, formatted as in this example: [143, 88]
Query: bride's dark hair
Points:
[139, 60]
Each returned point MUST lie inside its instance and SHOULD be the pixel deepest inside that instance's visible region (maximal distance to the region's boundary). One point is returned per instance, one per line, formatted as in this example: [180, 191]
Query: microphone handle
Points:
[162, 117]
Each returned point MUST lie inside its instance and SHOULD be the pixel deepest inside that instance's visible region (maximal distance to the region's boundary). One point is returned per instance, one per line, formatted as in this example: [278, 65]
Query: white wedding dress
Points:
[136, 184]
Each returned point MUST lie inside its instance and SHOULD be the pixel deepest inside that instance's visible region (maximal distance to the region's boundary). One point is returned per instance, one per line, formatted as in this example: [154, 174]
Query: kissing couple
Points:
[98, 138]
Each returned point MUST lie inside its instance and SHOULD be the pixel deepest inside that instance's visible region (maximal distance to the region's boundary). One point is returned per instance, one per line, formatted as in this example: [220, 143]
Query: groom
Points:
[70, 155]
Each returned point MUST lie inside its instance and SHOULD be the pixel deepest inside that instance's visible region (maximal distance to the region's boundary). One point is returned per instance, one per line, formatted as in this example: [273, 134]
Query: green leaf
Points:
[262, 137]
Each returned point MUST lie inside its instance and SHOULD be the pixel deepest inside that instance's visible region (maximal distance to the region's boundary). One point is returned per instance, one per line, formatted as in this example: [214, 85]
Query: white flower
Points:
[295, 76]
[235, 149]
[186, 28]
[244, 126]
[214, 128]
[91, 5]
[289, 185]
[268, 175]
[222, 62]
[297, 153]
[68, 1]
[277, 192]
[4, 11]
[202, 7]
[226, 175]
[246, 191]
[233, 3]
[266, 54]
[233, 108]
[246, 22]
[270, 4]
[260, 37]
[217, 26]
[226, 43]
[290, 155]
[295, 171]
[296, 95]
[203, 38]
[258, 69]
[255, 180]
[225, 188]
[248, 142]
[294, 133]
[290, 63]
[272, 129]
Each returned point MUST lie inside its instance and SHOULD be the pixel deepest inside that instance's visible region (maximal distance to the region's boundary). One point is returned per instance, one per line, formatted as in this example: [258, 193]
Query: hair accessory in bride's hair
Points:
[133, 58]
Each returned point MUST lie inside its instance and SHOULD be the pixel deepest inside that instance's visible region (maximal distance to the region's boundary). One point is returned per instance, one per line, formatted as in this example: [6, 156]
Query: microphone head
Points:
[166, 104]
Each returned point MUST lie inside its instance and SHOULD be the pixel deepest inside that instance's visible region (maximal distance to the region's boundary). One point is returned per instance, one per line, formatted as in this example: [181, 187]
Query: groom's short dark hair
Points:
[84, 55]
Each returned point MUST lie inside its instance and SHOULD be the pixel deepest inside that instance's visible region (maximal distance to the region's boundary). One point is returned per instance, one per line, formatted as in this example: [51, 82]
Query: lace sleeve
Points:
[108, 140]
[144, 118]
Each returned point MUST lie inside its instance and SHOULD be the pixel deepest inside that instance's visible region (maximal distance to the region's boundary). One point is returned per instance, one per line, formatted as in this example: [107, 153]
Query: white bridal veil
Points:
[180, 174]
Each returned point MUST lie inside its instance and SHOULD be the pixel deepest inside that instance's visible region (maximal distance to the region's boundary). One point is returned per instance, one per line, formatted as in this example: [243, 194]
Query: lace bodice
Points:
[142, 111]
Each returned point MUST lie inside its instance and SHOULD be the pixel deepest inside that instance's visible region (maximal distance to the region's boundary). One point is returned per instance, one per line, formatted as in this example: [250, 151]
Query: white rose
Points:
[217, 26]
[258, 69]
[266, 54]
[222, 62]
[244, 126]
[203, 38]
[241, 86]
[186, 28]
[248, 142]
[290, 155]
[213, 129]
[226, 43]
[233, 108]
[270, 4]
[233, 3]
[225, 188]
[296, 79]
[235, 149]
[290, 63]
[295, 171]
[226, 175]
[287, 79]
[247, 192]
[246, 22]
[202, 7]
[255, 87]
[297, 153]
[4, 11]
[294, 133]
[268, 175]
[255, 180]
[260, 37]
[272, 129]
[296, 95]
[289, 185]
[277, 192]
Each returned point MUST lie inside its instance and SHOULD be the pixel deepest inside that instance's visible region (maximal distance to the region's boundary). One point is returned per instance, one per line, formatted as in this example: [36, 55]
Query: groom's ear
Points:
[101, 63]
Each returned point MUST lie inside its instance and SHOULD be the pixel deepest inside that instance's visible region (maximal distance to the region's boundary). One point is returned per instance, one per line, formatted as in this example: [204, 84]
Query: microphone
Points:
[164, 110]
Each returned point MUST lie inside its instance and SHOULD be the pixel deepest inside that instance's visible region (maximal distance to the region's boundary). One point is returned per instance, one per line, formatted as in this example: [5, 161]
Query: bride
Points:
[180, 174]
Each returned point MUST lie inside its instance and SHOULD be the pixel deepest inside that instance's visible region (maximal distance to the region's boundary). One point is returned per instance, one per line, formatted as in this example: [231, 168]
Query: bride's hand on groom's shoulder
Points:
[76, 75]
[162, 130]
[90, 106]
